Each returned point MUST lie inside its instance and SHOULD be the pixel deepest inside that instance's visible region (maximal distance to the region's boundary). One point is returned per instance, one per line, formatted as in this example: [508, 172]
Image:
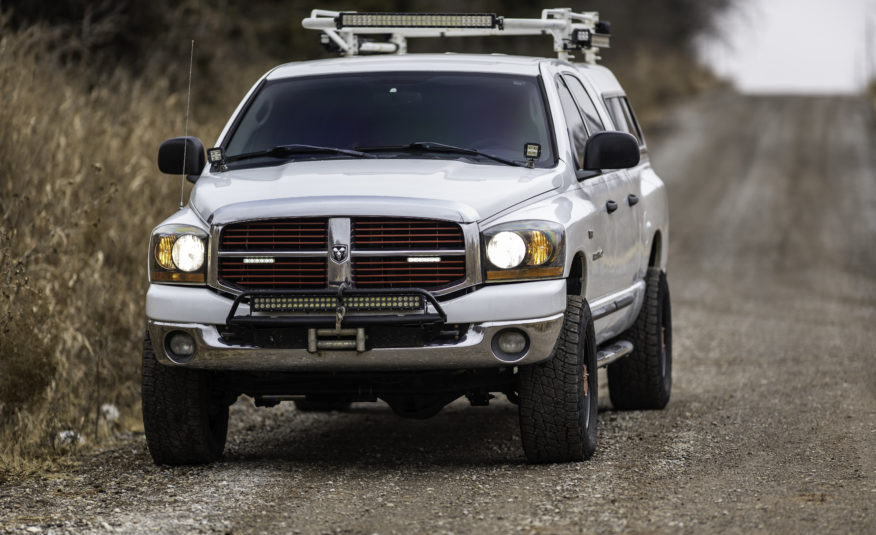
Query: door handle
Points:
[632, 199]
[611, 206]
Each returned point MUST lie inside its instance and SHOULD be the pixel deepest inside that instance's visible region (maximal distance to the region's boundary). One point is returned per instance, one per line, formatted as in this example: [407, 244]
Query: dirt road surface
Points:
[771, 427]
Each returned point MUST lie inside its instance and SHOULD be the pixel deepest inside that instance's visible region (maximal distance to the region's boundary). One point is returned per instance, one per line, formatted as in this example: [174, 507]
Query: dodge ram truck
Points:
[414, 228]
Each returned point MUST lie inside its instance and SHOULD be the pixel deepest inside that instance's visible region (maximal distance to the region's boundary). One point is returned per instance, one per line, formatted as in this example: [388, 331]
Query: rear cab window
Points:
[623, 117]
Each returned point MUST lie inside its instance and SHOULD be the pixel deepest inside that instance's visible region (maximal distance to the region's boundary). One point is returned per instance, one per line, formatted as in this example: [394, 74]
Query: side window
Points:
[634, 124]
[622, 115]
[618, 117]
[577, 131]
[588, 109]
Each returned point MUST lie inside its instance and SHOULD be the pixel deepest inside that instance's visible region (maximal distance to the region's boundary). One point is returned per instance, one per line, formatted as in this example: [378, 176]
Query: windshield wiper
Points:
[431, 146]
[286, 150]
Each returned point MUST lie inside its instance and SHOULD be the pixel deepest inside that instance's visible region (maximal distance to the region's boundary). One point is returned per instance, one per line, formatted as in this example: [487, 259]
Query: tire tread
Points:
[550, 404]
[636, 382]
[176, 405]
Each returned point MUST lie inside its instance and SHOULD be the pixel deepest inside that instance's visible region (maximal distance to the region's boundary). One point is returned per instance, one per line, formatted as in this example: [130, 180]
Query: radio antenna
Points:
[182, 180]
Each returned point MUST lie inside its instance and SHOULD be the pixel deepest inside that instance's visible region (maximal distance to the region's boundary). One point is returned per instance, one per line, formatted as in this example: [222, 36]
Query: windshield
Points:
[496, 114]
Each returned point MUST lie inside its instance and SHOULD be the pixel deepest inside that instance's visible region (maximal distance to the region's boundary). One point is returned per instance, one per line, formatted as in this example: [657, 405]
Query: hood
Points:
[447, 189]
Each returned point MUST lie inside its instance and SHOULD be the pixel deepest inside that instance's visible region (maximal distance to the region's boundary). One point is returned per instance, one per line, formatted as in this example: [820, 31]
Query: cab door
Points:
[614, 260]
[621, 114]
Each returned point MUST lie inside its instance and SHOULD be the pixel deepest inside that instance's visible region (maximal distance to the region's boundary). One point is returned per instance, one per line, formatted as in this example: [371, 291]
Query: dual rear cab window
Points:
[622, 115]
[583, 120]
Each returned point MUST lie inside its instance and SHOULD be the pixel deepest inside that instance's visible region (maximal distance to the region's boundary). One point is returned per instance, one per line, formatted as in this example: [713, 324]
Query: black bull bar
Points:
[326, 320]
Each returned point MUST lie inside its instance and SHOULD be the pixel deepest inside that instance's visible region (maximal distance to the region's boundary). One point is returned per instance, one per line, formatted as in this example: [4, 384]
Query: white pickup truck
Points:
[414, 228]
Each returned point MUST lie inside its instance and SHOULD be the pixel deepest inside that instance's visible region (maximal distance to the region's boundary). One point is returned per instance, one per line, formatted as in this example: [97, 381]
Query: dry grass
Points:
[79, 194]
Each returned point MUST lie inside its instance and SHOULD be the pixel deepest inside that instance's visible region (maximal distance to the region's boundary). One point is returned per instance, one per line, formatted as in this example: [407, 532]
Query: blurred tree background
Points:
[651, 40]
[89, 89]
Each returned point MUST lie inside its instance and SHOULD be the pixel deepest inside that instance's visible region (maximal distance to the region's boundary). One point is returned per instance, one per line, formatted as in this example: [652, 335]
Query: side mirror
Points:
[170, 156]
[611, 150]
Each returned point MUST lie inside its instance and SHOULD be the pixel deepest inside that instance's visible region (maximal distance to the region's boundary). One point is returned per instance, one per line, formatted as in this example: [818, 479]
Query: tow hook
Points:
[336, 339]
[341, 310]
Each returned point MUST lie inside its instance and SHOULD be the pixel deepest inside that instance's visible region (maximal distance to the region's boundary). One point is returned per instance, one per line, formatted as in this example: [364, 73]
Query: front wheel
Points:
[185, 416]
[558, 397]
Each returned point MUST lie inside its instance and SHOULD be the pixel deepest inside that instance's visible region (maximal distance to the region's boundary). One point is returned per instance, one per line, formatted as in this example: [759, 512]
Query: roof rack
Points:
[352, 33]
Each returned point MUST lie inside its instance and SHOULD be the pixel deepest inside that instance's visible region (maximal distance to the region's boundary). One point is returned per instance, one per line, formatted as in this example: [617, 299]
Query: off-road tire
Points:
[558, 402]
[306, 405]
[643, 379]
[184, 416]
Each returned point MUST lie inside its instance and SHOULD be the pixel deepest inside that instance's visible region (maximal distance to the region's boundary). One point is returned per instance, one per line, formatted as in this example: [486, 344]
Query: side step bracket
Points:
[605, 355]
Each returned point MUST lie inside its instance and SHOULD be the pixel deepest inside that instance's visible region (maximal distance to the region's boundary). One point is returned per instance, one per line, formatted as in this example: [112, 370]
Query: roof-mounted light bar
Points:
[355, 19]
[352, 33]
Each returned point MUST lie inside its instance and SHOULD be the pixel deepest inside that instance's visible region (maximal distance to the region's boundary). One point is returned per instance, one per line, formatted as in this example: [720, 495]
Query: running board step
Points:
[605, 355]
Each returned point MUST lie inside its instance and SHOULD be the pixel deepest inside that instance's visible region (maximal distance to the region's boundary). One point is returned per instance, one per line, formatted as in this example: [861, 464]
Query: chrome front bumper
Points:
[473, 350]
[536, 308]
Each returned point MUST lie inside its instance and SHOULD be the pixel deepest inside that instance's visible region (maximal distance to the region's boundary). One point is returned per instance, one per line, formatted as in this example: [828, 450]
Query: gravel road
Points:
[771, 427]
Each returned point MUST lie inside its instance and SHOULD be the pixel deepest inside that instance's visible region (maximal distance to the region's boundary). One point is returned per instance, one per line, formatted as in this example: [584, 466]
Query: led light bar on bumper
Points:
[524, 250]
[178, 255]
[329, 303]
[418, 20]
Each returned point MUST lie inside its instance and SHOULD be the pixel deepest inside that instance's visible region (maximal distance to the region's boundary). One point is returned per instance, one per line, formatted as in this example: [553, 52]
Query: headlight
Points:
[524, 250]
[188, 253]
[506, 250]
[178, 254]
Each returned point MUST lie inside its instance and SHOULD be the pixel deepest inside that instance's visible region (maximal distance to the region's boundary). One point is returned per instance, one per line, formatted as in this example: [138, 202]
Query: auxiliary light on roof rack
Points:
[417, 20]
[343, 32]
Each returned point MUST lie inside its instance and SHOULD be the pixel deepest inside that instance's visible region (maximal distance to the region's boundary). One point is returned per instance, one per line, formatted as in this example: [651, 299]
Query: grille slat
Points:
[274, 235]
[289, 274]
[401, 243]
[407, 234]
[289, 235]
[393, 233]
[391, 272]
[248, 244]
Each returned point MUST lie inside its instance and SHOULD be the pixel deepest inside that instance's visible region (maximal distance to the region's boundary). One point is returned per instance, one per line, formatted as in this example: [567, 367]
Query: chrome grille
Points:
[287, 254]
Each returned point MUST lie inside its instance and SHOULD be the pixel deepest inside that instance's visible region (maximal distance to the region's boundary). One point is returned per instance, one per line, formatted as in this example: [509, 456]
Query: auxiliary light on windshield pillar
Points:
[216, 156]
[532, 152]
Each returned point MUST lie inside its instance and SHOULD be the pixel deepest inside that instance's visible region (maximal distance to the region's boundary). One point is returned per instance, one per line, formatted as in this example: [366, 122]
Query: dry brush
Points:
[79, 194]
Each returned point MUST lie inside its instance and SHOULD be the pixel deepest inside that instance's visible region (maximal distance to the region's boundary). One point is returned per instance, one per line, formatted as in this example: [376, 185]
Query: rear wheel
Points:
[184, 415]
[558, 397]
[643, 379]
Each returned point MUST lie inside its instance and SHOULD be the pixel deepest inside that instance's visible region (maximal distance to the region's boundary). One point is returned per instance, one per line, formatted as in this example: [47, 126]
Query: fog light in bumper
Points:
[510, 345]
[180, 347]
